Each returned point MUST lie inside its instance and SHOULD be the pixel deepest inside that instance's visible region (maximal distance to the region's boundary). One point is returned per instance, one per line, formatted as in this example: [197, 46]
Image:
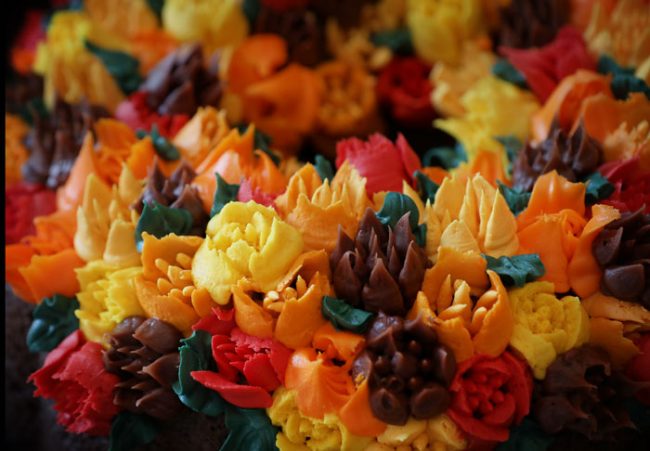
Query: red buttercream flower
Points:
[248, 192]
[490, 394]
[404, 88]
[249, 368]
[74, 376]
[632, 185]
[384, 164]
[23, 202]
[283, 5]
[545, 67]
[638, 369]
[136, 114]
[23, 52]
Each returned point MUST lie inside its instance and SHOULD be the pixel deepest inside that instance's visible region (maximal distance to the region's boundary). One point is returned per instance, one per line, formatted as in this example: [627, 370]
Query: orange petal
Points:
[357, 415]
[553, 193]
[47, 275]
[338, 344]
[165, 308]
[467, 266]
[250, 317]
[608, 334]
[602, 114]
[494, 335]
[68, 197]
[255, 59]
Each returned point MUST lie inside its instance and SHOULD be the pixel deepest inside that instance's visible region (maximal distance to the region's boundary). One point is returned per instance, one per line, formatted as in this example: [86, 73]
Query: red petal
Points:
[244, 396]
[259, 372]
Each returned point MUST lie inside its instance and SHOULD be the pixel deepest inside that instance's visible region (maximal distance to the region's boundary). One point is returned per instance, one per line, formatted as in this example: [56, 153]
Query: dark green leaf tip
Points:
[398, 40]
[427, 188]
[225, 193]
[250, 429]
[345, 317]
[160, 221]
[624, 81]
[54, 319]
[163, 147]
[504, 70]
[130, 431]
[397, 205]
[446, 157]
[324, 168]
[261, 141]
[517, 200]
[598, 188]
[123, 67]
[516, 270]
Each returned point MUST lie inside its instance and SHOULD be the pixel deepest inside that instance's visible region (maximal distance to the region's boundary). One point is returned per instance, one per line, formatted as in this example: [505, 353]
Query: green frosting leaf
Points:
[160, 221]
[527, 436]
[518, 269]
[262, 142]
[624, 81]
[131, 431]
[123, 67]
[196, 355]
[54, 320]
[397, 205]
[251, 9]
[427, 188]
[35, 105]
[345, 317]
[447, 157]
[156, 6]
[163, 147]
[324, 168]
[507, 72]
[513, 146]
[250, 430]
[598, 188]
[517, 200]
[398, 40]
[225, 193]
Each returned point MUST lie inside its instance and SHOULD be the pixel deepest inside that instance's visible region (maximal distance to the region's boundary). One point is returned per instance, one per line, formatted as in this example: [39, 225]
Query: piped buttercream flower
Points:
[545, 325]
[245, 241]
[317, 208]
[439, 433]
[105, 222]
[107, 296]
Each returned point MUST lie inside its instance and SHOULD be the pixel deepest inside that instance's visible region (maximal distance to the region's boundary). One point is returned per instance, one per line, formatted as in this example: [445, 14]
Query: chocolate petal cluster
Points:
[181, 83]
[55, 141]
[622, 250]
[176, 192]
[144, 354]
[532, 23]
[574, 157]
[408, 371]
[382, 269]
[582, 400]
[299, 27]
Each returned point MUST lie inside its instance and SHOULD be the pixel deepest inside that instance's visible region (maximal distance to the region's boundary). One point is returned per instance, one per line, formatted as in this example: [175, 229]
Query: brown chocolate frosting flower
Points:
[144, 354]
[382, 269]
[408, 371]
[181, 83]
[176, 192]
[574, 157]
[622, 249]
[55, 141]
[581, 399]
[532, 23]
[300, 28]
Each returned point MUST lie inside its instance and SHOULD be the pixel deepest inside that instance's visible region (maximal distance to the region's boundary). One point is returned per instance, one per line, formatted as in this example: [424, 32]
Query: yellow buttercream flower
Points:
[450, 82]
[122, 17]
[317, 208]
[304, 433]
[493, 108]
[546, 326]
[439, 27]
[213, 23]
[106, 223]
[107, 296]
[437, 434]
[71, 71]
[15, 152]
[245, 241]
[468, 216]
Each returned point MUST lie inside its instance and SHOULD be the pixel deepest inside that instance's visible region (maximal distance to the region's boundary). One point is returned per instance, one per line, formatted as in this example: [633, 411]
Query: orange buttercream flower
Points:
[15, 152]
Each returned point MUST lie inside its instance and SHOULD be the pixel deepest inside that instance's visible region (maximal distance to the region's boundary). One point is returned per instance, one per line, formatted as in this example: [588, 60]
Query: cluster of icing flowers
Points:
[404, 294]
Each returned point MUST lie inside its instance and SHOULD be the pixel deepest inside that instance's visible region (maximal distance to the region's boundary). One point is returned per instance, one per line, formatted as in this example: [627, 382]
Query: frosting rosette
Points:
[439, 433]
[467, 327]
[317, 208]
[438, 28]
[245, 241]
[545, 326]
[201, 134]
[493, 108]
[214, 23]
[489, 395]
[107, 296]
[23, 203]
[106, 223]
[631, 184]
[73, 375]
[72, 71]
[384, 164]
[303, 432]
